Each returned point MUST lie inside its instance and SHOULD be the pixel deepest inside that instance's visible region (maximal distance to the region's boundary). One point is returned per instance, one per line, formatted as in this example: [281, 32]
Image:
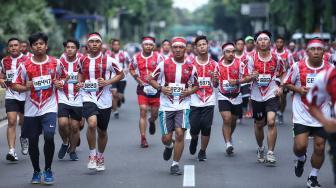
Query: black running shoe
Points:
[202, 155]
[122, 99]
[299, 167]
[63, 150]
[193, 146]
[12, 157]
[73, 156]
[229, 150]
[167, 153]
[116, 115]
[175, 170]
[312, 182]
[151, 126]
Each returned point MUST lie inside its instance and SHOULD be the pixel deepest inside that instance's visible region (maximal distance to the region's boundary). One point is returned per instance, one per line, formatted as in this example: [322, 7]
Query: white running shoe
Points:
[270, 158]
[24, 145]
[92, 165]
[260, 154]
[100, 164]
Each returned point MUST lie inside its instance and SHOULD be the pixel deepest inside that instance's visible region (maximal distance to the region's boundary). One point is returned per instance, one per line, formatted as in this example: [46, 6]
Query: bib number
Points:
[90, 86]
[228, 87]
[177, 89]
[149, 90]
[204, 82]
[264, 80]
[42, 82]
[73, 76]
[9, 75]
[310, 80]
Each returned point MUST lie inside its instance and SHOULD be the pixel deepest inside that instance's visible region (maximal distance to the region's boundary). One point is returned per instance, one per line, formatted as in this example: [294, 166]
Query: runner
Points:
[323, 91]
[14, 101]
[230, 72]
[118, 88]
[245, 90]
[190, 55]
[294, 51]
[24, 48]
[249, 51]
[299, 79]
[287, 57]
[96, 74]
[142, 66]
[267, 70]
[165, 49]
[203, 101]
[39, 79]
[69, 103]
[177, 80]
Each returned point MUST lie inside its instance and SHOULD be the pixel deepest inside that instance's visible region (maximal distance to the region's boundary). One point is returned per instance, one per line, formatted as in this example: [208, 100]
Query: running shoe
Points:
[312, 182]
[24, 145]
[48, 177]
[175, 170]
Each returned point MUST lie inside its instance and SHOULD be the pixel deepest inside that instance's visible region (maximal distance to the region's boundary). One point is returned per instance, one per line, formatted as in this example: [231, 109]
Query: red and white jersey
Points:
[178, 77]
[41, 98]
[144, 66]
[101, 66]
[303, 75]
[269, 70]
[286, 56]
[205, 95]
[324, 90]
[9, 67]
[327, 58]
[123, 58]
[166, 56]
[302, 54]
[235, 70]
[250, 53]
[69, 95]
[189, 57]
[28, 55]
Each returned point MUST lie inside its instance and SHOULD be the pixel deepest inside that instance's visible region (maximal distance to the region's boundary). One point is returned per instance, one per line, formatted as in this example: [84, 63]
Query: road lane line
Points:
[189, 176]
[188, 136]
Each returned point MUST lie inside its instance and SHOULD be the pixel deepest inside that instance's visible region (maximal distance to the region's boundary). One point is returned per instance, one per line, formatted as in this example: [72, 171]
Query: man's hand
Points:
[279, 91]
[140, 82]
[303, 91]
[29, 84]
[2, 83]
[58, 84]
[254, 75]
[102, 82]
[166, 90]
[185, 93]
[78, 86]
[232, 82]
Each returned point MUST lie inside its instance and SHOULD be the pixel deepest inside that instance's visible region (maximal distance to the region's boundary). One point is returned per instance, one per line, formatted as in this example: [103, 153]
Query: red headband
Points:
[179, 41]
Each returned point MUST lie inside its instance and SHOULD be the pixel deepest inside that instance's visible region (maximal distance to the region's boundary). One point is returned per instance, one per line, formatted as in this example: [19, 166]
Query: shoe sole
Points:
[11, 158]
[92, 168]
[202, 160]
[100, 170]
[35, 182]
[49, 183]
[270, 164]
[176, 174]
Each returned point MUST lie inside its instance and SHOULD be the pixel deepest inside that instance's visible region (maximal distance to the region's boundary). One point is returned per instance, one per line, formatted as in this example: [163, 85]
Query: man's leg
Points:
[115, 101]
[64, 131]
[300, 148]
[11, 134]
[272, 131]
[195, 128]
[179, 144]
[75, 134]
[143, 125]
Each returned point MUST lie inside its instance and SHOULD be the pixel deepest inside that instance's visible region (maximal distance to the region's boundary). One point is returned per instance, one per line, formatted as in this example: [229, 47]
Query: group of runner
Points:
[180, 85]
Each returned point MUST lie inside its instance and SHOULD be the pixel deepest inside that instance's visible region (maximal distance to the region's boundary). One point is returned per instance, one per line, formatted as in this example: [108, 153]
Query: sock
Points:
[171, 145]
[313, 172]
[270, 152]
[100, 155]
[93, 152]
[302, 158]
[11, 150]
[228, 144]
[175, 163]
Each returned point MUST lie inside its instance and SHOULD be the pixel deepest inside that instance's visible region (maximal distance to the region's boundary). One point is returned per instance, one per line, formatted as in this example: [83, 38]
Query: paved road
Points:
[130, 166]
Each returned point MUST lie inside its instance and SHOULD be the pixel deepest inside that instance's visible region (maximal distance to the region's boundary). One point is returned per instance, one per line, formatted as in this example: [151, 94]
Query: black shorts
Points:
[103, 115]
[225, 105]
[120, 86]
[200, 119]
[313, 131]
[13, 105]
[260, 109]
[34, 126]
[245, 90]
[68, 111]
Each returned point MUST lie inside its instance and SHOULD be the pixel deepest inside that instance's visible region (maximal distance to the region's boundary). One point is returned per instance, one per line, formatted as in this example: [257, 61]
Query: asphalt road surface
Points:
[128, 165]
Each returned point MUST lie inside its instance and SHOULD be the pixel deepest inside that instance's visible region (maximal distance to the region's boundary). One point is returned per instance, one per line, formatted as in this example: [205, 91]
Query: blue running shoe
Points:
[36, 179]
[48, 177]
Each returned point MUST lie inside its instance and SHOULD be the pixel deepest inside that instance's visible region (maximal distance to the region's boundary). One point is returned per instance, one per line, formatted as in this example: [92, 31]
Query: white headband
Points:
[147, 41]
[179, 44]
[230, 46]
[315, 45]
[95, 37]
[263, 35]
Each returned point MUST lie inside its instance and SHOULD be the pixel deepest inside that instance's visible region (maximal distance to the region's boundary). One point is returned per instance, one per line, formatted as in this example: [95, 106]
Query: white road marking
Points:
[188, 136]
[189, 176]
[3, 123]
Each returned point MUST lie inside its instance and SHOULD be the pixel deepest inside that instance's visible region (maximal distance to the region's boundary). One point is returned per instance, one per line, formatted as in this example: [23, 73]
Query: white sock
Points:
[228, 144]
[100, 155]
[313, 172]
[175, 163]
[270, 152]
[93, 152]
[11, 150]
[302, 158]
[170, 146]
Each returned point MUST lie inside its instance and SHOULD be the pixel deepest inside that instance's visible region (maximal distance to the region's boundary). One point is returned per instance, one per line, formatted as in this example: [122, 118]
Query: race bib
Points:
[177, 89]
[9, 75]
[310, 80]
[42, 82]
[204, 82]
[149, 90]
[264, 80]
[73, 76]
[90, 85]
[228, 87]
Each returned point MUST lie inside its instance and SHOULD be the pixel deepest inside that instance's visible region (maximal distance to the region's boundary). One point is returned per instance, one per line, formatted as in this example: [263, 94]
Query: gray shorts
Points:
[170, 120]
